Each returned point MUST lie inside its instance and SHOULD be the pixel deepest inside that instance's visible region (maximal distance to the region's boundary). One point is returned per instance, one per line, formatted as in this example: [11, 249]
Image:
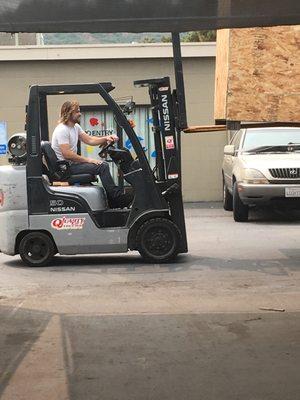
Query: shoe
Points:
[121, 201]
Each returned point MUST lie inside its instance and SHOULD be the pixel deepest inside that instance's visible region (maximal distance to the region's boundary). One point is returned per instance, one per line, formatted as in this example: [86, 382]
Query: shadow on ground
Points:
[170, 357]
[19, 330]
[274, 215]
[126, 264]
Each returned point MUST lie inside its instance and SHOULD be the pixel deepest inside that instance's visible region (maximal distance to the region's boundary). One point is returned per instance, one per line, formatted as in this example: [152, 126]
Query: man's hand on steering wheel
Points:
[111, 139]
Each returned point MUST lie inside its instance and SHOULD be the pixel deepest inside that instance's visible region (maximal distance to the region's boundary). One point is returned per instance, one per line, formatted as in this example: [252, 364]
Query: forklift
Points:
[39, 219]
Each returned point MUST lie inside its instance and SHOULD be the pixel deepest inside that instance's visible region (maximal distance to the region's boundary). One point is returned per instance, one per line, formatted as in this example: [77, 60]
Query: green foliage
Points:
[149, 40]
[166, 39]
[97, 38]
[200, 36]
[119, 37]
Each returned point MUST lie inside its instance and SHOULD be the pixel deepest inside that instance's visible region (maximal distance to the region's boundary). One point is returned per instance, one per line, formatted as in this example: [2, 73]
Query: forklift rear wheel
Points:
[37, 249]
[158, 240]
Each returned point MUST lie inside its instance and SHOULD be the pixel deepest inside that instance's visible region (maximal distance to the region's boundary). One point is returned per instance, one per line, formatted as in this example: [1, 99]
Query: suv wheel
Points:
[240, 210]
[227, 198]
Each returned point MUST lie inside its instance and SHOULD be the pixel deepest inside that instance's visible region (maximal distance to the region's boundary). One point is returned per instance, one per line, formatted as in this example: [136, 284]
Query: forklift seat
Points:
[59, 170]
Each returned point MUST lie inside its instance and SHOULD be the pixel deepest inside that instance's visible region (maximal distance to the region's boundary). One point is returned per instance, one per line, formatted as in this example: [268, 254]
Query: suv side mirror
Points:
[229, 150]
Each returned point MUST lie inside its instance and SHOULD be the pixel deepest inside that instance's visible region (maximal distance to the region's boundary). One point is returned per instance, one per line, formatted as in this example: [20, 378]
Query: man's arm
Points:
[97, 141]
[72, 156]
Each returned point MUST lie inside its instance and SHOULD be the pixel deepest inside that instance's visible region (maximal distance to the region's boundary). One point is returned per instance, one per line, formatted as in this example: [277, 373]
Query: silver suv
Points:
[261, 166]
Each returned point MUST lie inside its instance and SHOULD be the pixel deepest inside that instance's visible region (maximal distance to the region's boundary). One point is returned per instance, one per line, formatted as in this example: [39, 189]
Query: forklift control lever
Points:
[172, 189]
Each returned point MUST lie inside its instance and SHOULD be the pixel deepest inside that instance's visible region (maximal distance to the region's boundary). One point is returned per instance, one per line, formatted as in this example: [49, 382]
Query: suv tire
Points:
[227, 198]
[240, 210]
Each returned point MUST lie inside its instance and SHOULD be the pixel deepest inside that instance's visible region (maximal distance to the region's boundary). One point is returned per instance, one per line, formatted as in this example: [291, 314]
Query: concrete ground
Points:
[113, 328]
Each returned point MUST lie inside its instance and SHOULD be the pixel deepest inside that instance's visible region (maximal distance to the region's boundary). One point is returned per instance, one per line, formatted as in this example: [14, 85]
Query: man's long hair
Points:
[66, 111]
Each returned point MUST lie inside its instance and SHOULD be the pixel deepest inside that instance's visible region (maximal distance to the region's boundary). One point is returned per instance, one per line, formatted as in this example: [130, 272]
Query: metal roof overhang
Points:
[143, 15]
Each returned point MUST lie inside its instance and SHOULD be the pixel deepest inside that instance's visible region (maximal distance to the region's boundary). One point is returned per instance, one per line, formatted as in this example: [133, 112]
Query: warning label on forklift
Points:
[169, 142]
[172, 176]
[163, 89]
[67, 223]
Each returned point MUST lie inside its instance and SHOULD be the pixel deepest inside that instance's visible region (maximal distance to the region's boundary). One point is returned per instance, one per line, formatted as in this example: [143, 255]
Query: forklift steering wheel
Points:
[105, 148]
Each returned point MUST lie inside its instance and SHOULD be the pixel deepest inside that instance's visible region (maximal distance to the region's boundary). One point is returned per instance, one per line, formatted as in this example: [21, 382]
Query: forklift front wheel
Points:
[37, 249]
[157, 240]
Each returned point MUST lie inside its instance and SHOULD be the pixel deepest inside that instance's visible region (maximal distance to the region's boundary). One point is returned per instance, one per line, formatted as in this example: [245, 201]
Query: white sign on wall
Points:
[3, 138]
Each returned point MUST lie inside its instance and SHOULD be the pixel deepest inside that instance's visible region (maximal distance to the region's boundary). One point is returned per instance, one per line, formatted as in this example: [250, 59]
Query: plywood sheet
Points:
[222, 70]
[263, 75]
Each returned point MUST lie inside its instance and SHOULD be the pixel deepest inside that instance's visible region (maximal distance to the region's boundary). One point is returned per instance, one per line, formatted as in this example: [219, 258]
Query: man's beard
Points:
[76, 120]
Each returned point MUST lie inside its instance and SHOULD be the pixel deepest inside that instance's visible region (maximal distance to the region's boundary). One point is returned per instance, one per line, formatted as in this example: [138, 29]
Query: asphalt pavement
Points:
[221, 323]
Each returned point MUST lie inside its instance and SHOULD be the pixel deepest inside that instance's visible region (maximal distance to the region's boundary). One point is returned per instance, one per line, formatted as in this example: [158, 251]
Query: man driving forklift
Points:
[64, 142]
[74, 219]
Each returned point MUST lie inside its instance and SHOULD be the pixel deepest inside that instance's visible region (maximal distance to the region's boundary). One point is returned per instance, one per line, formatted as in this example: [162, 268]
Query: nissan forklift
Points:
[39, 219]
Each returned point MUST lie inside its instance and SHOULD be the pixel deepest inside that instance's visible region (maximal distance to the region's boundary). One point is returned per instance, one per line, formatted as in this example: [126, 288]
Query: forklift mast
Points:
[167, 133]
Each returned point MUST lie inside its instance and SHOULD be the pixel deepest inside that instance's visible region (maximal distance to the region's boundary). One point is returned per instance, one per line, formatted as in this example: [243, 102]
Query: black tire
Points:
[240, 210]
[227, 198]
[37, 249]
[158, 240]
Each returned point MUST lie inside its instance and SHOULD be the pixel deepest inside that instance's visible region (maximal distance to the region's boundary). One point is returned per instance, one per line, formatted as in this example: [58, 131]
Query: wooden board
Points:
[258, 75]
[205, 128]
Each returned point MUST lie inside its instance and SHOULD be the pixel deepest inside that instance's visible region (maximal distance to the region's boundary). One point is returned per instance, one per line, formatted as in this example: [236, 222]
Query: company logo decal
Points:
[97, 128]
[100, 132]
[67, 223]
[293, 171]
[94, 121]
[169, 142]
[166, 114]
[57, 206]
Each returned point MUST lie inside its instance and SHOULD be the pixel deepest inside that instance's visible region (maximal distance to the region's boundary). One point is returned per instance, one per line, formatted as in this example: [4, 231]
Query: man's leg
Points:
[107, 180]
[115, 195]
[102, 171]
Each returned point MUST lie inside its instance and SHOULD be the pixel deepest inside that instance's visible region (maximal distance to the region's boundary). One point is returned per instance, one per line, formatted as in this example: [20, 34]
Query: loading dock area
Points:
[220, 323]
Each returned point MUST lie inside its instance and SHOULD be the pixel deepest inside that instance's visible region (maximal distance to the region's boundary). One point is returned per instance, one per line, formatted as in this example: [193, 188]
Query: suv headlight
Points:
[254, 177]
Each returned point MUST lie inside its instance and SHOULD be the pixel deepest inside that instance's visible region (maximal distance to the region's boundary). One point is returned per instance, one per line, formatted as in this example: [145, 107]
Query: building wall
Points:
[22, 39]
[201, 153]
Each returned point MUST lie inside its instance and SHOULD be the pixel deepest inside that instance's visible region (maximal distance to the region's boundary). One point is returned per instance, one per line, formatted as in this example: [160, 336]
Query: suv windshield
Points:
[267, 139]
